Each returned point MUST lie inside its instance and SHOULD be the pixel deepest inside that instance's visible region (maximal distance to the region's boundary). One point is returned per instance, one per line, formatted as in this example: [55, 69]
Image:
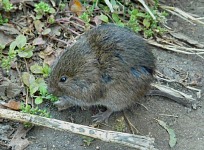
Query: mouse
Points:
[108, 66]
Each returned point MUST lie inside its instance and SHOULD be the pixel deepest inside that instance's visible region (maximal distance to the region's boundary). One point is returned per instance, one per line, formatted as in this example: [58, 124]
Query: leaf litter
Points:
[172, 135]
[43, 34]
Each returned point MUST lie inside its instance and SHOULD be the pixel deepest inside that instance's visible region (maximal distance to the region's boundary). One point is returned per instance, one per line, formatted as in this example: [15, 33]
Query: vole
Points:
[108, 65]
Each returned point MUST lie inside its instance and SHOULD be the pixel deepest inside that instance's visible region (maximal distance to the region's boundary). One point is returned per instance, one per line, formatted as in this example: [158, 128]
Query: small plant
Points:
[21, 47]
[140, 21]
[87, 140]
[117, 20]
[51, 19]
[3, 20]
[37, 88]
[44, 70]
[133, 22]
[7, 6]
[62, 6]
[35, 111]
[104, 18]
[86, 18]
[42, 9]
[120, 125]
[18, 47]
[43, 94]
[6, 61]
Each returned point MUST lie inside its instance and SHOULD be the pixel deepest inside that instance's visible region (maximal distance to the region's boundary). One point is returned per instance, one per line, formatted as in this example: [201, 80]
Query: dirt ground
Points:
[188, 124]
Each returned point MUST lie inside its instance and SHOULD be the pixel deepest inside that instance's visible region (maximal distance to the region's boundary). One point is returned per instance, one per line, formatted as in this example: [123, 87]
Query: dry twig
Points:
[147, 8]
[180, 13]
[177, 96]
[136, 141]
[109, 5]
[179, 49]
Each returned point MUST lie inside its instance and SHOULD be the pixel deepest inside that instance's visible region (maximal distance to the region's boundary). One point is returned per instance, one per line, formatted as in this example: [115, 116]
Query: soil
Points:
[187, 123]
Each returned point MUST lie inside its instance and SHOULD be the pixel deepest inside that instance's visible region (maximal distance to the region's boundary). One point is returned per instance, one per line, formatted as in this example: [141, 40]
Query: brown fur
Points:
[98, 69]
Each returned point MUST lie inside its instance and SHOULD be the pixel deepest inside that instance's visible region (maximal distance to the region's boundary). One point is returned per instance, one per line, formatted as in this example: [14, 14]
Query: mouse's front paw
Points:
[62, 104]
[102, 116]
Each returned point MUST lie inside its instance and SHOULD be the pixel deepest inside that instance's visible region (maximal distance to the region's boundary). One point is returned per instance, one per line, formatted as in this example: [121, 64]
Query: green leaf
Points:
[38, 100]
[134, 12]
[43, 89]
[148, 33]
[85, 17]
[36, 69]
[87, 140]
[141, 15]
[46, 31]
[33, 88]
[104, 18]
[2, 46]
[26, 52]
[13, 45]
[12, 53]
[51, 97]
[38, 16]
[146, 23]
[40, 81]
[29, 54]
[21, 41]
[172, 136]
[115, 17]
[27, 78]
[52, 10]
[46, 70]
[22, 54]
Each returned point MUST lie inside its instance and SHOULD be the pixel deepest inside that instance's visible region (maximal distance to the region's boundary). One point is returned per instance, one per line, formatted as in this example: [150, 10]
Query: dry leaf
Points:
[13, 105]
[48, 51]
[9, 89]
[38, 41]
[56, 31]
[172, 135]
[49, 59]
[19, 142]
[187, 39]
[36, 69]
[49, 55]
[5, 39]
[39, 25]
[13, 90]
[46, 31]
[97, 20]
[76, 7]
[27, 78]
[9, 29]
[3, 86]
[5, 130]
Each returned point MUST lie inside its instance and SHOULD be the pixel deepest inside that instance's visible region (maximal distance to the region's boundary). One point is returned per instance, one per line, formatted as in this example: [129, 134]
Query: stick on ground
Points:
[175, 95]
[131, 140]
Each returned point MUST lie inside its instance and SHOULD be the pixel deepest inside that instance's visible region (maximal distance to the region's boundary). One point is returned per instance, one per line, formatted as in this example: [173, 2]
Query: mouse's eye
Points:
[63, 79]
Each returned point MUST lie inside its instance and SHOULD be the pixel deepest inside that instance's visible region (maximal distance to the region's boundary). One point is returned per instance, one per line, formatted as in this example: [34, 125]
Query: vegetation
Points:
[47, 27]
